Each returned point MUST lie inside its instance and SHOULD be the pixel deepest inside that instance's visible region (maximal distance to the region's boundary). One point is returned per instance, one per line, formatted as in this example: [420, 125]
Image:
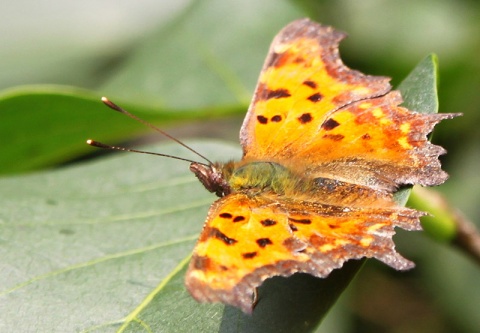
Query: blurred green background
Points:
[191, 66]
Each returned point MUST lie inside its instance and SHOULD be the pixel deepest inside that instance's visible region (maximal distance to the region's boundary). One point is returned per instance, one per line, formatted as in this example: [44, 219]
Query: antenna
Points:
[104, 146]
[117, 108]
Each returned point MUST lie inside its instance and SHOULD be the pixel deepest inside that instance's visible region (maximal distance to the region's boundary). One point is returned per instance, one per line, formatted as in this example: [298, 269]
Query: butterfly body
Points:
[324, 149]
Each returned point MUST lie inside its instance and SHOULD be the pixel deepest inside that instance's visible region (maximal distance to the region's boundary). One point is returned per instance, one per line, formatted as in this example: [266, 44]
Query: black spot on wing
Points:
[278, 93]
[262, 119]
[216, 233]
[262, 242]
[277, 118]
[310, 84]
[239, 218]
[300, 221]
[330, 124]
[317, 97]
[249, 255]
[268, 222]
[305, 118]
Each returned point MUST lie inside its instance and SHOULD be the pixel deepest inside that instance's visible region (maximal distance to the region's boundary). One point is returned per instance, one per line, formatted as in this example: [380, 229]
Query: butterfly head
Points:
[214, 176]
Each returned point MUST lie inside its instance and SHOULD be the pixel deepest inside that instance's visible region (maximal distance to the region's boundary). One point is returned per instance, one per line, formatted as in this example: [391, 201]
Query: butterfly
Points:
[324, 149]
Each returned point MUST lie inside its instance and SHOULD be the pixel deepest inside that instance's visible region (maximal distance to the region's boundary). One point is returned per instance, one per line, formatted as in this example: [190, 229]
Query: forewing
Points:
[314, 114]
[302, 81]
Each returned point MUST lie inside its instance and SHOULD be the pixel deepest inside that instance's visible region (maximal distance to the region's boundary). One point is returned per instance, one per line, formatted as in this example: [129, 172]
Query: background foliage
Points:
[175, 62]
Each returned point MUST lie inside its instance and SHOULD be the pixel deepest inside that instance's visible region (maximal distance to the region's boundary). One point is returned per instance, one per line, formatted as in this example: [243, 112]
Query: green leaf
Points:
[419, 88]
[46, 125]
[42, 125]
[419, 93]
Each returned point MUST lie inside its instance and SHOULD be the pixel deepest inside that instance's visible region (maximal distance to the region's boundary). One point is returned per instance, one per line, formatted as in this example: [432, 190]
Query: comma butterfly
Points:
[324, 149]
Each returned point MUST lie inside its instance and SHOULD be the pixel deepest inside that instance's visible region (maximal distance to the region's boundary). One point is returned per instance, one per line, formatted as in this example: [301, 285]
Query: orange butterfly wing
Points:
[311, 110]
[247, 240]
